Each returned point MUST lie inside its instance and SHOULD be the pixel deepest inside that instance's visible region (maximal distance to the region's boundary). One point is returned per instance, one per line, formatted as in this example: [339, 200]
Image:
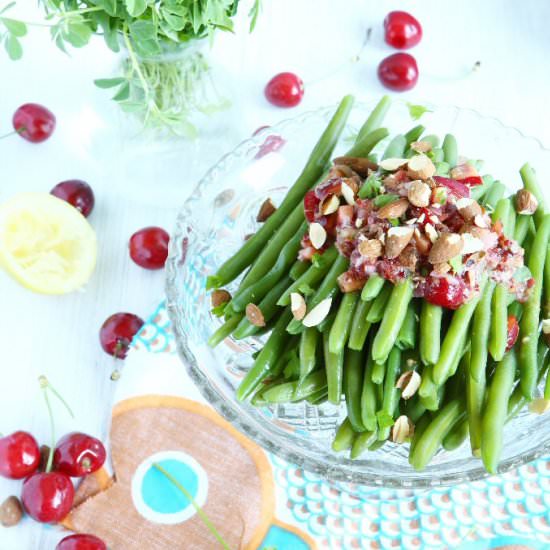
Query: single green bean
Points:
[343, 440]
[369, 398]
[295, 391]
[394, 316]
[475, 400]
[224, 330]
[479, 191]
[494, 417]
[385, 415]
[378, 373]
[437, 155]
[372, 287]
[413, 409]
[494, 194]
[450, 150]
[334, 366]
[530, 183]
[546, 286]
[480, 334]
[419, 428]
[376, 117]
[442, 168]
[395, 148]
[430, 332]
[326, 324]
[298, 269]
[529, 325]
[432, 139]
[499, 323]
[376, 312]
[406, 338]
[359, 326]
[365, 144]
[308, 351]
[456, 437]
[318, 398]
[362, 443]
[353, 385]
[414, 134]
[339, 332]
[523, 222]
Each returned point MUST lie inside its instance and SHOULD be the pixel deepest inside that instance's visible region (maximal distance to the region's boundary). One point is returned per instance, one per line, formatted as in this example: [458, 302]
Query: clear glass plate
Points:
[213, 224]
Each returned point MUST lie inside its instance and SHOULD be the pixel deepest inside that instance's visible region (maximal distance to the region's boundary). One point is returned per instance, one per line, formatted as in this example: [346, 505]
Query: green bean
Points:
[395, 148]
[394, 315]
[432, 437]
[376, 117]
[432, 139]
[406, 338]
[494, 417]
[343, 440]
[429, 393]
[546, 286]
[308, 348]
[353, 385]
[442, 168]
[414, 134]
[298, 269]
[311, 173]
[430, 332]
[450, 150]
[530, 321]
[544, 365]
[267, 306]
[523, 222]
[479, 191]
[376, 445]
[372, 287]
[334, 365]
[499, 323]
[494, 194]
[255, 292]
[419, 428]
[359, 326]
[366, 143]
[480, 334]
[437, 155]
[376, 312]
[267, 358]
[456, 437]
[362, 443]
[475, 399]
[295, 390]
[378, 372]
[326, 324]
[339, 333]
[369, 398]
[530, 183]
[453, 341]
[312, 276]
[318, 398]
[385, 415]
[414, 409]
[224, 330]
[327, 289]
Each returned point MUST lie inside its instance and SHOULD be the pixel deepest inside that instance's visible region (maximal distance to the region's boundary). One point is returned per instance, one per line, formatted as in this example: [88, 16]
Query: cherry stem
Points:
[18, 131]
[45, 383]
[198, 509]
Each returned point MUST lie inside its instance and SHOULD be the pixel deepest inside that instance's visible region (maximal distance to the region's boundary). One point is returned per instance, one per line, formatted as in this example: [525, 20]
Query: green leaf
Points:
[144, 38]
[111, 35]
[416, 111]
[253, 14]
[108, 5]
[136, 7]
[17, 28]
[175, 22]
[371, 187]
[13, 47]
[382, 200]
[132, 106]
[7, 7]
[123, 93]
[218, 311]
[77, 34]
[109, 82]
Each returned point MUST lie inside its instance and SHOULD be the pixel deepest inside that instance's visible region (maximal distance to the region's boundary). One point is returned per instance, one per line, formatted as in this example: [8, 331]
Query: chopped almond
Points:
[220, 297]
[423, 244]
[392, 164]
[397, 239]
[318, 313]
[348, 193]
[330, 205]
[394, 209]
[408, 383]
[317, 235]
[359, 165]
[371, 248]
[431, 232]
[266, 210]
[445, 248]
[420, 167]
[297, 305]
[526, 202]
[402, 430]
[419, 193]
[468, 208]
[409, 258]
[254, 315]
[421, 146]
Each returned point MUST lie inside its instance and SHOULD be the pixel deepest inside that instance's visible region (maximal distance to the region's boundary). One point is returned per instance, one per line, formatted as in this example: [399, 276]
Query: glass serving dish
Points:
[212, 226]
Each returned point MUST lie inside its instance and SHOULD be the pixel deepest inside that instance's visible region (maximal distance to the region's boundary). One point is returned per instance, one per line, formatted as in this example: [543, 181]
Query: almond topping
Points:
[297, 306]
[11, 512]
[318, 313]
[317, 235]
[409, 258]
[359, 165]
[392, 164]
[408, 383]
[471, 244]
[402, 430]
[419, 194]
[358, 223]
[445, 248]
[397, 239]
[420, 167]
[423, 244]
[539, 406]
[526, 202]
[371, 248]
[254, 315]
[266, 210]
[394, 209]
[442, 268]
[468, 208]
[347, 193]
[421, 146]
[481, 221]
[220, 297]
[431, 232]
[330, 205]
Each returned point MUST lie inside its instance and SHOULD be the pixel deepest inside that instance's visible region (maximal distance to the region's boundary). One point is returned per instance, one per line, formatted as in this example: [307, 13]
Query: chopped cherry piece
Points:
[513, 332]
[77, 193]
[117, 332]
[271, 144]
[448, 291]
[34, 122]
[402, 30]
[311, 206]
[81, 542]
[472, 180]
[19, 455]
[48, 496]
[391, 270]
[285, 90]
[149, 247]
[454, 186]
[77, 455]
[398, 72]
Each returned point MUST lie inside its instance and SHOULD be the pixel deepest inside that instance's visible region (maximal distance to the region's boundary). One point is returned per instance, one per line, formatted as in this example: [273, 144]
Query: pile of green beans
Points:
[469, 383]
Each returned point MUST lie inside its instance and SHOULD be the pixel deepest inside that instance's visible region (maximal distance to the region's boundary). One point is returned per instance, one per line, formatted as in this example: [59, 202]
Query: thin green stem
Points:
[52, 427]
[135, 62]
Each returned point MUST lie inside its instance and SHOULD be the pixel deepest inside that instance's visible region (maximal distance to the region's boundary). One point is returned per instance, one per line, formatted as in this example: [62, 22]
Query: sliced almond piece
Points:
[471, 244]
[408, 383]
[445, 248]
[318, 313]
[317, 235]
[359, 165]
[481, 220]
[423, 244]
[420, 167]
[392, 164]
[266, 210]
[397, 239]
[358, 223]
[402, 430]
[394, 209]
[468, 208]
[409, 258]
[442, 268]
[526, 202]
[254, 315]
[539, 406]
[220, 297]
[370, 248]
[347, 193]
[341, 171]
[297, 306]
[419, 193]
[329, 205]
[431, 232]
[421, 146]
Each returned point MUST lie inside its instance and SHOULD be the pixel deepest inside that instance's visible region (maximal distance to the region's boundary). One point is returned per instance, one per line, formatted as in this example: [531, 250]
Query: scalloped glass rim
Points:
[377, 471]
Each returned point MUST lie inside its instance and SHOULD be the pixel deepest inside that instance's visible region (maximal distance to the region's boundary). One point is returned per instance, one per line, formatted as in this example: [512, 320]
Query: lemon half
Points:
[46, 244]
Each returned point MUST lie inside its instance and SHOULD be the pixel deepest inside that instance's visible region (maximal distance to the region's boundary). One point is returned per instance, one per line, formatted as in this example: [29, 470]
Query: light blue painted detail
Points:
[280, 538]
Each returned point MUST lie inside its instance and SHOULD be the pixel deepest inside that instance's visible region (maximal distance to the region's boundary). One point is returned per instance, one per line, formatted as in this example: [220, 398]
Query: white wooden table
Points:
[135, 186]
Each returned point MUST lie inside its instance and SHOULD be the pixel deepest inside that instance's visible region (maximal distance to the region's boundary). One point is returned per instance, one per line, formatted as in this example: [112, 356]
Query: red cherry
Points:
[513, 332]
[149, 247]
[311, 206]
[77, 455]
[285, 90]
[398, 72]
[48, 496]
[81, 542]
[76, 192]
[19, 455]
[117, 332]
[449, 292]
[34, 122]
[402, 30]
